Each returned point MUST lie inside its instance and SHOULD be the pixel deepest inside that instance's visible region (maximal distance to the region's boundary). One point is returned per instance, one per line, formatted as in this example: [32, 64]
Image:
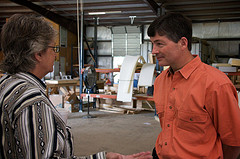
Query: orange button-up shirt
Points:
[198, 111]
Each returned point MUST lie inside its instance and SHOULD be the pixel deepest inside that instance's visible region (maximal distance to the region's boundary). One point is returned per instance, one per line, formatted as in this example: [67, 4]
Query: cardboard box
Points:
[100, 84]
[85, 98]
[64, 91]
[142, 90]
[72, 99]
[71, 107]
[216, 65]
[57, 100]
[68, 107]
[228, 69]
[234, 61]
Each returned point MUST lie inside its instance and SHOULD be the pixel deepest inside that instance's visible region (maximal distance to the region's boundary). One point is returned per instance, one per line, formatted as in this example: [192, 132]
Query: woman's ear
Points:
[38, 56]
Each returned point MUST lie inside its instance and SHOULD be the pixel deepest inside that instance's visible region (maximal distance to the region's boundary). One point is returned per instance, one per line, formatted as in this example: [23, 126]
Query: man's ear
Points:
[184, 43]
[38, 56]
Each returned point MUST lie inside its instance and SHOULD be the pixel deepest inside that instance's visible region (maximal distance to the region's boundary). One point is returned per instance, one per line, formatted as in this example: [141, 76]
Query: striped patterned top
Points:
[30, 126]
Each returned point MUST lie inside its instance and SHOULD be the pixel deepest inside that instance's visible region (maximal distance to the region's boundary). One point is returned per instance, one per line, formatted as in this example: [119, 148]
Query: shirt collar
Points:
[39, 80]
[189, 68]
[32, 79]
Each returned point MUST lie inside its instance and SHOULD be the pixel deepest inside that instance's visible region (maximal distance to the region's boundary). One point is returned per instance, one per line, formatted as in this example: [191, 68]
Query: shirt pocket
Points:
[191, 122]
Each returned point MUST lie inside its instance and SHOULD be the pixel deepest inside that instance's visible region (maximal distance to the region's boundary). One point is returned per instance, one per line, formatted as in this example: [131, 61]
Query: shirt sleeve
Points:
[226, 114]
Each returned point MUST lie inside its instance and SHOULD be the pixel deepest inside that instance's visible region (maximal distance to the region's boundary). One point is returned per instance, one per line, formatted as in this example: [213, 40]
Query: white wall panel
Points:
[216, 30]
[103, 33]
[104, 48]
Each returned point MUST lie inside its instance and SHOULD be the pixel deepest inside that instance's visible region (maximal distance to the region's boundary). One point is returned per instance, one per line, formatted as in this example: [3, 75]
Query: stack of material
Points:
[66, 99]
[234, 62]
[110, 89]
[114, 106]
[225, 67]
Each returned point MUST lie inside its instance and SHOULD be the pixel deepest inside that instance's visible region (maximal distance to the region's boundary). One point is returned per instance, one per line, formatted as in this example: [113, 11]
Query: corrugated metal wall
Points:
[126, 40]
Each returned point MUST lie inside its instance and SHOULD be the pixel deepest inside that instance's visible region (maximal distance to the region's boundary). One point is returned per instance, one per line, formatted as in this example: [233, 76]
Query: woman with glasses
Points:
[30, 126]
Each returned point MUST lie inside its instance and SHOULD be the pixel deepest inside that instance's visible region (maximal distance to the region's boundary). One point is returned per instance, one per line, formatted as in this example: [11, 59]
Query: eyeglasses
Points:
[56, 49]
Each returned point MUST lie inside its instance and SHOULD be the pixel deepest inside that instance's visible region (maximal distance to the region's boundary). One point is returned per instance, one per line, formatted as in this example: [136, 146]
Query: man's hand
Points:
[141, 155]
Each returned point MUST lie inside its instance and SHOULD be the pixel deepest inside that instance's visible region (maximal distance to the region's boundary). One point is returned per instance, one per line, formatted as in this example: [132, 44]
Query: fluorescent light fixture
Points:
[98, 13]
[112, 12]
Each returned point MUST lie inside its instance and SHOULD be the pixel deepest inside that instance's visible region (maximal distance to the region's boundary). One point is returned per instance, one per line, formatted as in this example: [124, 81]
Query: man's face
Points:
[166, 51]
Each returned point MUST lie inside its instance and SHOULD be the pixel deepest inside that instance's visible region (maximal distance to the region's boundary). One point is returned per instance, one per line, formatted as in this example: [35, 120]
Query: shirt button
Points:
[168, 125]
[173, 89]
[170, 107]
[165, 143]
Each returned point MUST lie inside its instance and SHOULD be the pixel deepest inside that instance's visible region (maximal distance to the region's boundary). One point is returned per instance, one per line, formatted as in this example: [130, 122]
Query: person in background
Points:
[196, 103]
[30, 126]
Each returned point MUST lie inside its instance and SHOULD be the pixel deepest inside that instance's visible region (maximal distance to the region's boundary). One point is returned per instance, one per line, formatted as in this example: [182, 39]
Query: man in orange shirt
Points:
[196, 103]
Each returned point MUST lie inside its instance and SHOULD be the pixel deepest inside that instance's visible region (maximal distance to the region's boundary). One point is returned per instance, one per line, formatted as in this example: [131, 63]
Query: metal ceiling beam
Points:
[153, 5]
[212, 11]
[215, 18]
[124, 11]
[100, 5]
[116, 9]
[114, 16]
[228, 4]
[218, 16]
[112, 3]
[70, 25]
[190, 1]
[126, 21]
[196, 10]
[106, 24]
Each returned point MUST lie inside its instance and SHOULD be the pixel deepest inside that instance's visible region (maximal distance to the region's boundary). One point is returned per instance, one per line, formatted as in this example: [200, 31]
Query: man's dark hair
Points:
[174, 26]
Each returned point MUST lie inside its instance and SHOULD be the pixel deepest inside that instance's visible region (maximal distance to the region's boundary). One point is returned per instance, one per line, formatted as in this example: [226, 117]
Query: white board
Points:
[146, 75]
[125, 86]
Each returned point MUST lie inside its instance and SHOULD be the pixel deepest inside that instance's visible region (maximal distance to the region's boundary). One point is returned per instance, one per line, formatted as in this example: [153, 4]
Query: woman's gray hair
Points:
[22, 36]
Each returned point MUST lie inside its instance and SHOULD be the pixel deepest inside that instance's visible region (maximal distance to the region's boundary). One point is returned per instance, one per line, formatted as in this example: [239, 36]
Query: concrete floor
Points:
[113, 132]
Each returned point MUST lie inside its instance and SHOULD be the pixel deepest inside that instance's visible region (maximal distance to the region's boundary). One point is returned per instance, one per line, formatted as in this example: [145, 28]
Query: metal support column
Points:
[80, 51]
[72, 61]
[81, 63]
[95, 42]
[95, 50]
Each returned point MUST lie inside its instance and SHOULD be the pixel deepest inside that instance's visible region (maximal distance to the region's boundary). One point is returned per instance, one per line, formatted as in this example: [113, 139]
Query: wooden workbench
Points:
[56, 84]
